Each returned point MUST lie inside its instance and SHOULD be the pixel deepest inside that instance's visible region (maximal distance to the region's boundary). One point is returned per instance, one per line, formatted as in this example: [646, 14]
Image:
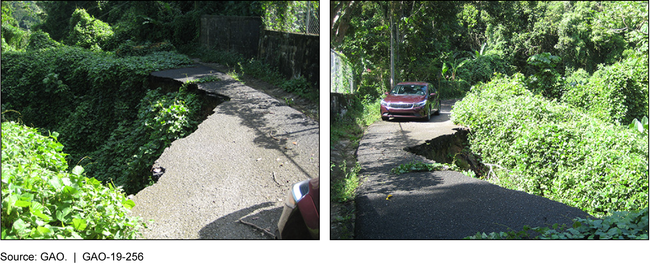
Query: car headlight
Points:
[420, 104]
[383, 102]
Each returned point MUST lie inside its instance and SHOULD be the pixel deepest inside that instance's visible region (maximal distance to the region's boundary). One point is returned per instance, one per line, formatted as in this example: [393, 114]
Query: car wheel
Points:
[439, 107]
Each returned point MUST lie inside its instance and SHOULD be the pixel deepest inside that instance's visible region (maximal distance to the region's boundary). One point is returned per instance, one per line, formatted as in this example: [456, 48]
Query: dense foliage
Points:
[177, 22]
[88, 32]
[555, 150]
[617, 93]
[85, 96]
[578, 76]
[466, 42]
[619, 225]
[41, 40]
[42, 199]
[344, 189]
[82, 69]
[95, 91]
[127, 155]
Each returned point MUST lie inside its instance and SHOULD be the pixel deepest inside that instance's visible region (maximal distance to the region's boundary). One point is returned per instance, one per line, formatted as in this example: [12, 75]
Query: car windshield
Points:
[410, 89]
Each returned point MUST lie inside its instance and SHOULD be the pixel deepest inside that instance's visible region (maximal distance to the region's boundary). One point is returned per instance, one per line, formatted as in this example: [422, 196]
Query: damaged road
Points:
[438, 204]
[237, 166]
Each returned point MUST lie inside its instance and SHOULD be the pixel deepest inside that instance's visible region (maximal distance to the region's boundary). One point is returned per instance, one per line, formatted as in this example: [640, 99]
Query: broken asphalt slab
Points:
[238, 164]
[439, 204]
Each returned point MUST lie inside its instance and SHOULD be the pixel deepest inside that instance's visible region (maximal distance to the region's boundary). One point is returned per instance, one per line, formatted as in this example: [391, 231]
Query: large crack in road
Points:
[238, 164]
[439, 204]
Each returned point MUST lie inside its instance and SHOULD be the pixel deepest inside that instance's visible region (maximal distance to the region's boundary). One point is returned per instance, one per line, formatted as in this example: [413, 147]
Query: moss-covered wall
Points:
[293, 54]
[235, 34]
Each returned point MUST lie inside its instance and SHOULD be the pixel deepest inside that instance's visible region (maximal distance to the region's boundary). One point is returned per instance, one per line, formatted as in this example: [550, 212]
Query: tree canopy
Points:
[467, 41]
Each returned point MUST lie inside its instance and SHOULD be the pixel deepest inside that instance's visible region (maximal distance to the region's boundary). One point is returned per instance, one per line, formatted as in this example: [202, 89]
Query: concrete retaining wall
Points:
[339, 104]
[234, 34]
[294, 55]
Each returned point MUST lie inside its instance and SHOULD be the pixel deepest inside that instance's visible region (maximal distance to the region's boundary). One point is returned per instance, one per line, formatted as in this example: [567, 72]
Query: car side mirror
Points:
[433, 94]
[386, 93]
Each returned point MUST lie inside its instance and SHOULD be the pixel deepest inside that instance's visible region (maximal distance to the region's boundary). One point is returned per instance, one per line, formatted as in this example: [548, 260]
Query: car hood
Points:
[409, 99]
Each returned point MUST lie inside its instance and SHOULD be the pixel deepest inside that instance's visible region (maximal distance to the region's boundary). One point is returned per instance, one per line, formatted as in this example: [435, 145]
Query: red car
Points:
[300, 215]
[411, 100]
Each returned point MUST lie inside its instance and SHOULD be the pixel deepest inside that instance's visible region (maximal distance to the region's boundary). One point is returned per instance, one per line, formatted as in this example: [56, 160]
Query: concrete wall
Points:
[235, 34]
[294, 55]
[339, 104]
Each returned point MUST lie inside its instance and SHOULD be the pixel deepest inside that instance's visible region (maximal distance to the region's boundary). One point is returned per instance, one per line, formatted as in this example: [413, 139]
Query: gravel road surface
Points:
[440, 204]
[238, 164]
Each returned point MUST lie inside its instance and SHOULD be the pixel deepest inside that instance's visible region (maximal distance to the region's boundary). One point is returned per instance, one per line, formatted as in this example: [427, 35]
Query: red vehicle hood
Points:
[409, 99]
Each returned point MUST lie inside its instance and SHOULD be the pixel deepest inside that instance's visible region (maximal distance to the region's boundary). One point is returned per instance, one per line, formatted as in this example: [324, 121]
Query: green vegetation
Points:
[344, 190]
[555, 93]
[619, 225]
[88, 98]
[555, 150]
[42, 199]
[132, 148]
[360, 114]
[617, 93]
[88, 32]
[241, 66]
[420, 166]
[350, 127]
[82, 69]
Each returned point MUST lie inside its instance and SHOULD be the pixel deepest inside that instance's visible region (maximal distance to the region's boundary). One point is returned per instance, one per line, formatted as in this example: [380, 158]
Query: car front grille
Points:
[401, 105]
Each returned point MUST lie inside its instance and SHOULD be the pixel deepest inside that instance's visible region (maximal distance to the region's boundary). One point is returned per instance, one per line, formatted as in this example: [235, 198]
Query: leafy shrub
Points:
[641, 126]
[301, 87]
[14, 37]
[131, 48]
[555, 150]
[544, 78]
[266, 73]
[344, 189]
[361, 112]
[482, 67]
[420, 166]
[616, 93]
[620, 225]
[83, 95]
[41, 199]
[186, 28]
[88, 32]
[453, 89]
[132, 148]
[41, 40]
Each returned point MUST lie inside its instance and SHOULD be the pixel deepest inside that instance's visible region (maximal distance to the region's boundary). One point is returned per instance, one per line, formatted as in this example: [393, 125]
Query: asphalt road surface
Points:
[238, 164]
[440, 204]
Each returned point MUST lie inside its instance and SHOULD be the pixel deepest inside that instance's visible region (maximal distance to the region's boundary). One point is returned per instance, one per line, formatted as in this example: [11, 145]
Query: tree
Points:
[340, 16]
[88, 32]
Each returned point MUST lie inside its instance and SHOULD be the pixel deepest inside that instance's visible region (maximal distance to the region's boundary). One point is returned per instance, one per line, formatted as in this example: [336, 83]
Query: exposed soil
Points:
[439, 204]
[452, 149]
